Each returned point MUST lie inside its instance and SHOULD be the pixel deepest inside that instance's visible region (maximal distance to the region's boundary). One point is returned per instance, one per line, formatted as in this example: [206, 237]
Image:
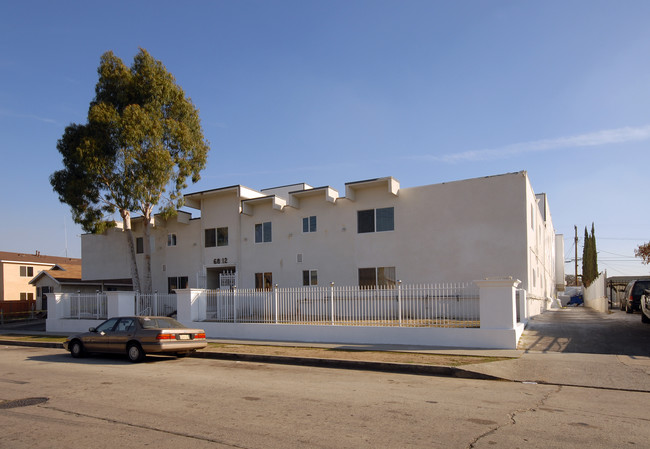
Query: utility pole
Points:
[576, 255]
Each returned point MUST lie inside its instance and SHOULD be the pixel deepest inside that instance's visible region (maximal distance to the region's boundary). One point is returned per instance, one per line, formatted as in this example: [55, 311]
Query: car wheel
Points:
[135, 353]
[644, 318]
[76, 349]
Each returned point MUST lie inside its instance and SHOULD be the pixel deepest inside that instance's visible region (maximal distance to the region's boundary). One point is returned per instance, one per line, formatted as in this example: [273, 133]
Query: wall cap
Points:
[504, 281]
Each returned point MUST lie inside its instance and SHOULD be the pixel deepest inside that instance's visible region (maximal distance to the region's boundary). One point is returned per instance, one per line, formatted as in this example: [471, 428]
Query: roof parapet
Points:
[391, 183]
[330, 195]
[276, 202]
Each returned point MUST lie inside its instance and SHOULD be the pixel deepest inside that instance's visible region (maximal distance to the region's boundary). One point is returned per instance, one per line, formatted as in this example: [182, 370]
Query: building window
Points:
[139, 245]
[263, 281]
[385, 219]
[377, 277]
[27, 272]
[366, 221]
[309, 224]
[309, 277]
[222, 236]
[263, 232]
[376, 220]
[171, 239]
[26, 296]
[176, 282]
[210, 237]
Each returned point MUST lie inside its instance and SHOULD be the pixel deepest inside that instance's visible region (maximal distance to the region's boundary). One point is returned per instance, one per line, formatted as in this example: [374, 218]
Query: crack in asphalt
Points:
[513, 415]
[141, 426]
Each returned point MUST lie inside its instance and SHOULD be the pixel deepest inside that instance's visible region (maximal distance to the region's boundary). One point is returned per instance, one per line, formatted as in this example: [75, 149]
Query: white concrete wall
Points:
[105, 256]
[595, 296]
[498, 329]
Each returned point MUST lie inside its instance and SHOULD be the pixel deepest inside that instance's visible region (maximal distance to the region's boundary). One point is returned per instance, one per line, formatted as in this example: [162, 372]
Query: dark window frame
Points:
[263, 281]
[309, 224]
[309, 278]
[222, 236]
[377, 277]
[210, 237]
[263, 232]
[176, 282]
[381, 219]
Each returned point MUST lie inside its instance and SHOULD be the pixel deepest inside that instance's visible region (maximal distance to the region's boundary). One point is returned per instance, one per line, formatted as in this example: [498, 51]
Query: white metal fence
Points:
[437, 305]
[155, 304]
[82, 306]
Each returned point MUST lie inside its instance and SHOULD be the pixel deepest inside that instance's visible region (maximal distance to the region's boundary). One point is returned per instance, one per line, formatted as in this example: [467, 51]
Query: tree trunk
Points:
[148, 287]
[135, 277]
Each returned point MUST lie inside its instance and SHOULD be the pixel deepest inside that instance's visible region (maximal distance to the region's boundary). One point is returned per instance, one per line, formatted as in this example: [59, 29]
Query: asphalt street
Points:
[50, 400]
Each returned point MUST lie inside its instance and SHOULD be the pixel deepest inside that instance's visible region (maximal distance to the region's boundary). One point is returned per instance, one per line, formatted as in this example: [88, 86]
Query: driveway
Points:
[583, 330]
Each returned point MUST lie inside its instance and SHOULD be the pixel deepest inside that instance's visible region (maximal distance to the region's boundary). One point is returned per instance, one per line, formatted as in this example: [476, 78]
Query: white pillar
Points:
[120, 303]
[190, 305]
[498, 298]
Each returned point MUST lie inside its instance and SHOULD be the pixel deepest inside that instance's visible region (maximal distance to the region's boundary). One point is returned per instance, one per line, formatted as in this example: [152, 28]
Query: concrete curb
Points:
[388, 367]
[33, 344]
[401, 368]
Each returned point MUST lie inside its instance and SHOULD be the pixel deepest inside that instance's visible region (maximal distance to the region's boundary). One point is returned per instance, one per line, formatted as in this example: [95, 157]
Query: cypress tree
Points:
[589, 258]
[586, 260]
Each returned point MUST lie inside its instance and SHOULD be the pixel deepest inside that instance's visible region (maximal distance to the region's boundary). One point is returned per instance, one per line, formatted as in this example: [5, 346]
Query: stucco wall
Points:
[14, 284]
[595, 296]
[457, 231]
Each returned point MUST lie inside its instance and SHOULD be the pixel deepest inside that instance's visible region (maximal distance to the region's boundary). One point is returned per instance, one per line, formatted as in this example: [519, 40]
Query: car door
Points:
[98, 341]
[123, 332]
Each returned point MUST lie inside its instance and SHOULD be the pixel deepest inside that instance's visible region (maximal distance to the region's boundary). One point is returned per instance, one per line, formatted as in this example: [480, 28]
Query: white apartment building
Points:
[377, 234]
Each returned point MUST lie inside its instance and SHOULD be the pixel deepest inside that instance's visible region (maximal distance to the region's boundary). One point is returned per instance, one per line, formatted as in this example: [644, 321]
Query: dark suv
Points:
[632, 297]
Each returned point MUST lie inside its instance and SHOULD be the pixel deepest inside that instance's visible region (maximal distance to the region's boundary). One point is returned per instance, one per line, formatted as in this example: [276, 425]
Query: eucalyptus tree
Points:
[142, 141]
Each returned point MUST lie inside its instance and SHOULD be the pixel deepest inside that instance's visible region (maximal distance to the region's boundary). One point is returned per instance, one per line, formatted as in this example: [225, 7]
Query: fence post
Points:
[234, 304]
[155, 303]
[399, 302]
[498, 300]
[97, 304]
[332, 301]
[275, 302]
[78, 304]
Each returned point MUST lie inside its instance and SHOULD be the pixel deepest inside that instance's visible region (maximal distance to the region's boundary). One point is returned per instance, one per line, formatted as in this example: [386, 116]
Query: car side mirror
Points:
[92, 329]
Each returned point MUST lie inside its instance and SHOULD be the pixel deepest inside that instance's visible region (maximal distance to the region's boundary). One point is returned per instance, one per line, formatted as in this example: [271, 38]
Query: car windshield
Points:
[160, 323]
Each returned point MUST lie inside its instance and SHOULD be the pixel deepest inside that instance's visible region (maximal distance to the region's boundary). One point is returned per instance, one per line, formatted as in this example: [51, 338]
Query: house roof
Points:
[61, 273]
[37, 258]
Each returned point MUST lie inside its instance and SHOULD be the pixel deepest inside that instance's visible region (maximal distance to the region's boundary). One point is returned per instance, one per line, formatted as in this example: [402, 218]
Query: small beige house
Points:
[66, 278]
[17, 294]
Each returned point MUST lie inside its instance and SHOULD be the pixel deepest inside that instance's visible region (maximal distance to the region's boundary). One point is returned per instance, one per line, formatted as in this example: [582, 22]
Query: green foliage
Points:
[589, 258]
[141, 143]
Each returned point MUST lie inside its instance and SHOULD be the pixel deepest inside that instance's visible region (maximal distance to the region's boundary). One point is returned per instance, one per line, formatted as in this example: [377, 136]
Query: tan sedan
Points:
[137, 336]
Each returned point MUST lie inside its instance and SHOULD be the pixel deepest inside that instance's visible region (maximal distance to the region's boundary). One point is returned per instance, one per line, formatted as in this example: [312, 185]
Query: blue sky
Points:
[327, 92]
